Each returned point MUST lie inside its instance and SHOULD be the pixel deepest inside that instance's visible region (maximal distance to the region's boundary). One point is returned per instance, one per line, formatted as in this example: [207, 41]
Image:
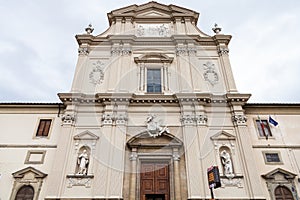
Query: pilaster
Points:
[223, 51]
[81, 66]
[192, 117]
[57, 180]
[253, 183]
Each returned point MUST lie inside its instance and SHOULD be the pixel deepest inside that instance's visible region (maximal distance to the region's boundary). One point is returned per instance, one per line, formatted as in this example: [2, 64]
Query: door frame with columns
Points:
[165, 148]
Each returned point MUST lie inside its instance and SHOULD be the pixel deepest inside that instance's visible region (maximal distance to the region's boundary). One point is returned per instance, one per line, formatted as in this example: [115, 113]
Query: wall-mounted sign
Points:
[213, 176]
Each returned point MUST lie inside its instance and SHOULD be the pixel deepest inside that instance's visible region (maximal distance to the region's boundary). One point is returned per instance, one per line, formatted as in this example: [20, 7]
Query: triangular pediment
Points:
[152, 10]
[223, 135]
[279, 174]
[86, 135]
[29, 170]
[153, 13]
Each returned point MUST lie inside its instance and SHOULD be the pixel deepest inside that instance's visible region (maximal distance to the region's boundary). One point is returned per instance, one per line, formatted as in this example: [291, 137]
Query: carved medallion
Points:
[97, 74]
[210, 74]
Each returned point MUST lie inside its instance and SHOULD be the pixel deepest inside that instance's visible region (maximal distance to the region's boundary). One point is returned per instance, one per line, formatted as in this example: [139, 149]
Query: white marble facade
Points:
[151, 89]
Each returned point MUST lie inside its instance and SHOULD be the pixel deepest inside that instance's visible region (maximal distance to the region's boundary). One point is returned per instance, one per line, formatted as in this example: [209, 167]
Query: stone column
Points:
[176, 159]
[133, 159]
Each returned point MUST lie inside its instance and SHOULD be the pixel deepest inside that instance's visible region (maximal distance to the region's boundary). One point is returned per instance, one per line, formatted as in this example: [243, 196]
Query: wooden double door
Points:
[154, 181]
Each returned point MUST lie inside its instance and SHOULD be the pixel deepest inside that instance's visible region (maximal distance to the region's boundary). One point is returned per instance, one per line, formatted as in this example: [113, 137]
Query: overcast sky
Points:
[38, 50]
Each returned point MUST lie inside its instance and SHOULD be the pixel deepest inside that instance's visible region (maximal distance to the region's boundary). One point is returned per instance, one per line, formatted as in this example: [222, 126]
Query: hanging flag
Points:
[265, 133]
[272, 121]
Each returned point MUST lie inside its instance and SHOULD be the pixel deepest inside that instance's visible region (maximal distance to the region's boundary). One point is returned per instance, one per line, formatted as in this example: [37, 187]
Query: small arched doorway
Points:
[283, 193]
[25, 193]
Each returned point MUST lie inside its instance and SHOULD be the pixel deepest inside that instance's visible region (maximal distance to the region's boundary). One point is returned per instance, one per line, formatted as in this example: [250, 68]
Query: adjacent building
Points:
[152, 106]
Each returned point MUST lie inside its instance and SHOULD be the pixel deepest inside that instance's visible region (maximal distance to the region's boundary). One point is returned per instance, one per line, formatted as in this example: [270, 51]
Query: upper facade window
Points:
[263, 128]
[154, 80]
[44, 128]
[153, 72]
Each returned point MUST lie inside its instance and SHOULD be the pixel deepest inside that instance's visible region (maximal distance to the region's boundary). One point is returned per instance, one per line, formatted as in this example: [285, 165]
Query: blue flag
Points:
[272, 121]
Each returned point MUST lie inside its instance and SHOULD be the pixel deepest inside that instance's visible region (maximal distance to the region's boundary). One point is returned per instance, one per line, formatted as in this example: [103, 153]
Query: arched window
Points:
[25, 193]
[283, 193]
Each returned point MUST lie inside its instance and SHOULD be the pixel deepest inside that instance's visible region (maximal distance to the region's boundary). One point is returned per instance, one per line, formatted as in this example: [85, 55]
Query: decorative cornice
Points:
[237, 98]
[268, 146]
[42, 146]
[182, 98]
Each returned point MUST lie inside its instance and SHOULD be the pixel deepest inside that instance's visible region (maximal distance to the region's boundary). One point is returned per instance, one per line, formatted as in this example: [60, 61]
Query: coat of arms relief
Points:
[154, 126]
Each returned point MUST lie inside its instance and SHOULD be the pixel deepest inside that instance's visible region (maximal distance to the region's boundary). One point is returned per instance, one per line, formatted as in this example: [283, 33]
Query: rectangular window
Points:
[263, 128]
[43, 128]
[272, 157]
[153, 80]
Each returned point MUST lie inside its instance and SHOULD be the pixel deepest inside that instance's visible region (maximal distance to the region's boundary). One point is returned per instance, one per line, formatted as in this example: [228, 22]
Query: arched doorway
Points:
[157, 164]
[25, 193]
[283, 193]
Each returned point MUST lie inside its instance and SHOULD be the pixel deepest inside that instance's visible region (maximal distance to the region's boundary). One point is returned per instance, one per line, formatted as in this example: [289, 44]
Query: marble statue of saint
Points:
[82, 161]
[227, 162]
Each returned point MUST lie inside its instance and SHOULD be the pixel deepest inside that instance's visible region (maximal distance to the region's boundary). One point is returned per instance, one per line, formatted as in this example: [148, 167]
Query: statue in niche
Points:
[82, 161]
[227, 163]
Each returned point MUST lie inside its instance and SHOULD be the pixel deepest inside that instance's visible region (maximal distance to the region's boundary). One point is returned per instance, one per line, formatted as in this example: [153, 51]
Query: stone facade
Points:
[153, 104]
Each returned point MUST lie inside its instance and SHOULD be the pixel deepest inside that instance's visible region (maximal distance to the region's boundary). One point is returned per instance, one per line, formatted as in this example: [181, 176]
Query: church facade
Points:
[153, 106]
